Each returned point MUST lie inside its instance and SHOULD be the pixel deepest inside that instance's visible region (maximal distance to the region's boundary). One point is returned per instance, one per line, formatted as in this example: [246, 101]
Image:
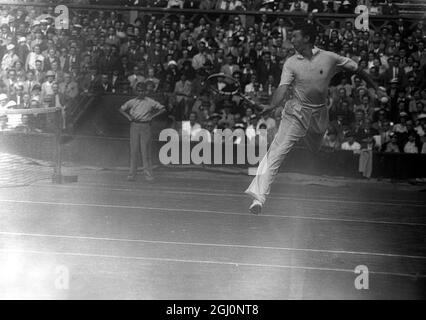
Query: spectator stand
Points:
[123, 14]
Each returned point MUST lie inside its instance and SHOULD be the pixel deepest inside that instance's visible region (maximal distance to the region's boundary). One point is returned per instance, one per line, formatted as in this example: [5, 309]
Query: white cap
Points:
[22, 39]
[3, 97]
[421, 116]
[384, 99]
[10, 46]
[172, 62]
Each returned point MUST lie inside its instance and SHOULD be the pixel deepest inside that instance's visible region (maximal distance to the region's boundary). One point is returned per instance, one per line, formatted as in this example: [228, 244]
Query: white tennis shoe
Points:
[256, 207]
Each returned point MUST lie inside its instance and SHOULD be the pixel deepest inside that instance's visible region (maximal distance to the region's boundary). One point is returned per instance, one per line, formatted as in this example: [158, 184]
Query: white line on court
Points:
[40, 235]
[235, 264]
[192, 191]
[207, 212]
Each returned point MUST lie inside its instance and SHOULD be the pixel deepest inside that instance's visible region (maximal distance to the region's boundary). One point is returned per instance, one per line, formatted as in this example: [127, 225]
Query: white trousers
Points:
[297, 122]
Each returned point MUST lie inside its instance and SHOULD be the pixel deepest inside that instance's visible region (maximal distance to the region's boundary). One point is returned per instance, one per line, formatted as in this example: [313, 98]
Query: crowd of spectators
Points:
[377, 7]
[104, 52]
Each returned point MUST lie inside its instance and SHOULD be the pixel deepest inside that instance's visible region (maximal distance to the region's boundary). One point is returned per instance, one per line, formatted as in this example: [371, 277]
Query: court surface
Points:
[189, 235]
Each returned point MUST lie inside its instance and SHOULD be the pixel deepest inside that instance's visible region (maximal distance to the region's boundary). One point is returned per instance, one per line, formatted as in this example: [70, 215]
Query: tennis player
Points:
[140, 111]
[305, 116]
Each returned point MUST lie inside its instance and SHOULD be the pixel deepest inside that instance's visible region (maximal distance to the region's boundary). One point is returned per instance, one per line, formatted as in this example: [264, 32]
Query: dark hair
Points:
[307, 30]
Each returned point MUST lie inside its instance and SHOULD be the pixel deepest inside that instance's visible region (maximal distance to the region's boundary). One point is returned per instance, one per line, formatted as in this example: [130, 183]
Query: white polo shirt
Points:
[311, 78]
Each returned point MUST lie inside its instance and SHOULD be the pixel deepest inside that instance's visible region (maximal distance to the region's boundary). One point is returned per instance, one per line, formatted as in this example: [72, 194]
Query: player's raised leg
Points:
[292, 128]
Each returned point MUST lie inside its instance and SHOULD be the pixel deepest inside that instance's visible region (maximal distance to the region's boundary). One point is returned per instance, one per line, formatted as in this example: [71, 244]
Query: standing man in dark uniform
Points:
[140, 111]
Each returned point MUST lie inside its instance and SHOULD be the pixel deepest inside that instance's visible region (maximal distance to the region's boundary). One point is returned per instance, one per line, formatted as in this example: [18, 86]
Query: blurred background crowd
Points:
[109, 52]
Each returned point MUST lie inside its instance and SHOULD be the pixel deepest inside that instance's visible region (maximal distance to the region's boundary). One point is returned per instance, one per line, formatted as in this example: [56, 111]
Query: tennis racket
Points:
[226, 85]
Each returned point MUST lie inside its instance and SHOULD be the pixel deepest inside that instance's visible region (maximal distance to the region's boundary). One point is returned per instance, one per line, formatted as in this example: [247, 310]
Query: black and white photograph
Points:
[212, 150]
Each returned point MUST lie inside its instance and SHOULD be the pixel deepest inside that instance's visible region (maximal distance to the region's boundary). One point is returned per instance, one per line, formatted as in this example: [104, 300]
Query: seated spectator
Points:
[350, 143]
[299, 6]
[401, 126]
[104, 85]
[46, 87]
[410, 146]
[135, 77]
[392, 145]
[229, 67]
[68, 88]
[331, 140]
[204, 107]
[39, 75]
[35, 55]
[191, 128]
[9, 59]
[390, 8]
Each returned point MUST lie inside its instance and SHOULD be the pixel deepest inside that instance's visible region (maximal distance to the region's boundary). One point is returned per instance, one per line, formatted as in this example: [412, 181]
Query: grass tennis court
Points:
[188, 235]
